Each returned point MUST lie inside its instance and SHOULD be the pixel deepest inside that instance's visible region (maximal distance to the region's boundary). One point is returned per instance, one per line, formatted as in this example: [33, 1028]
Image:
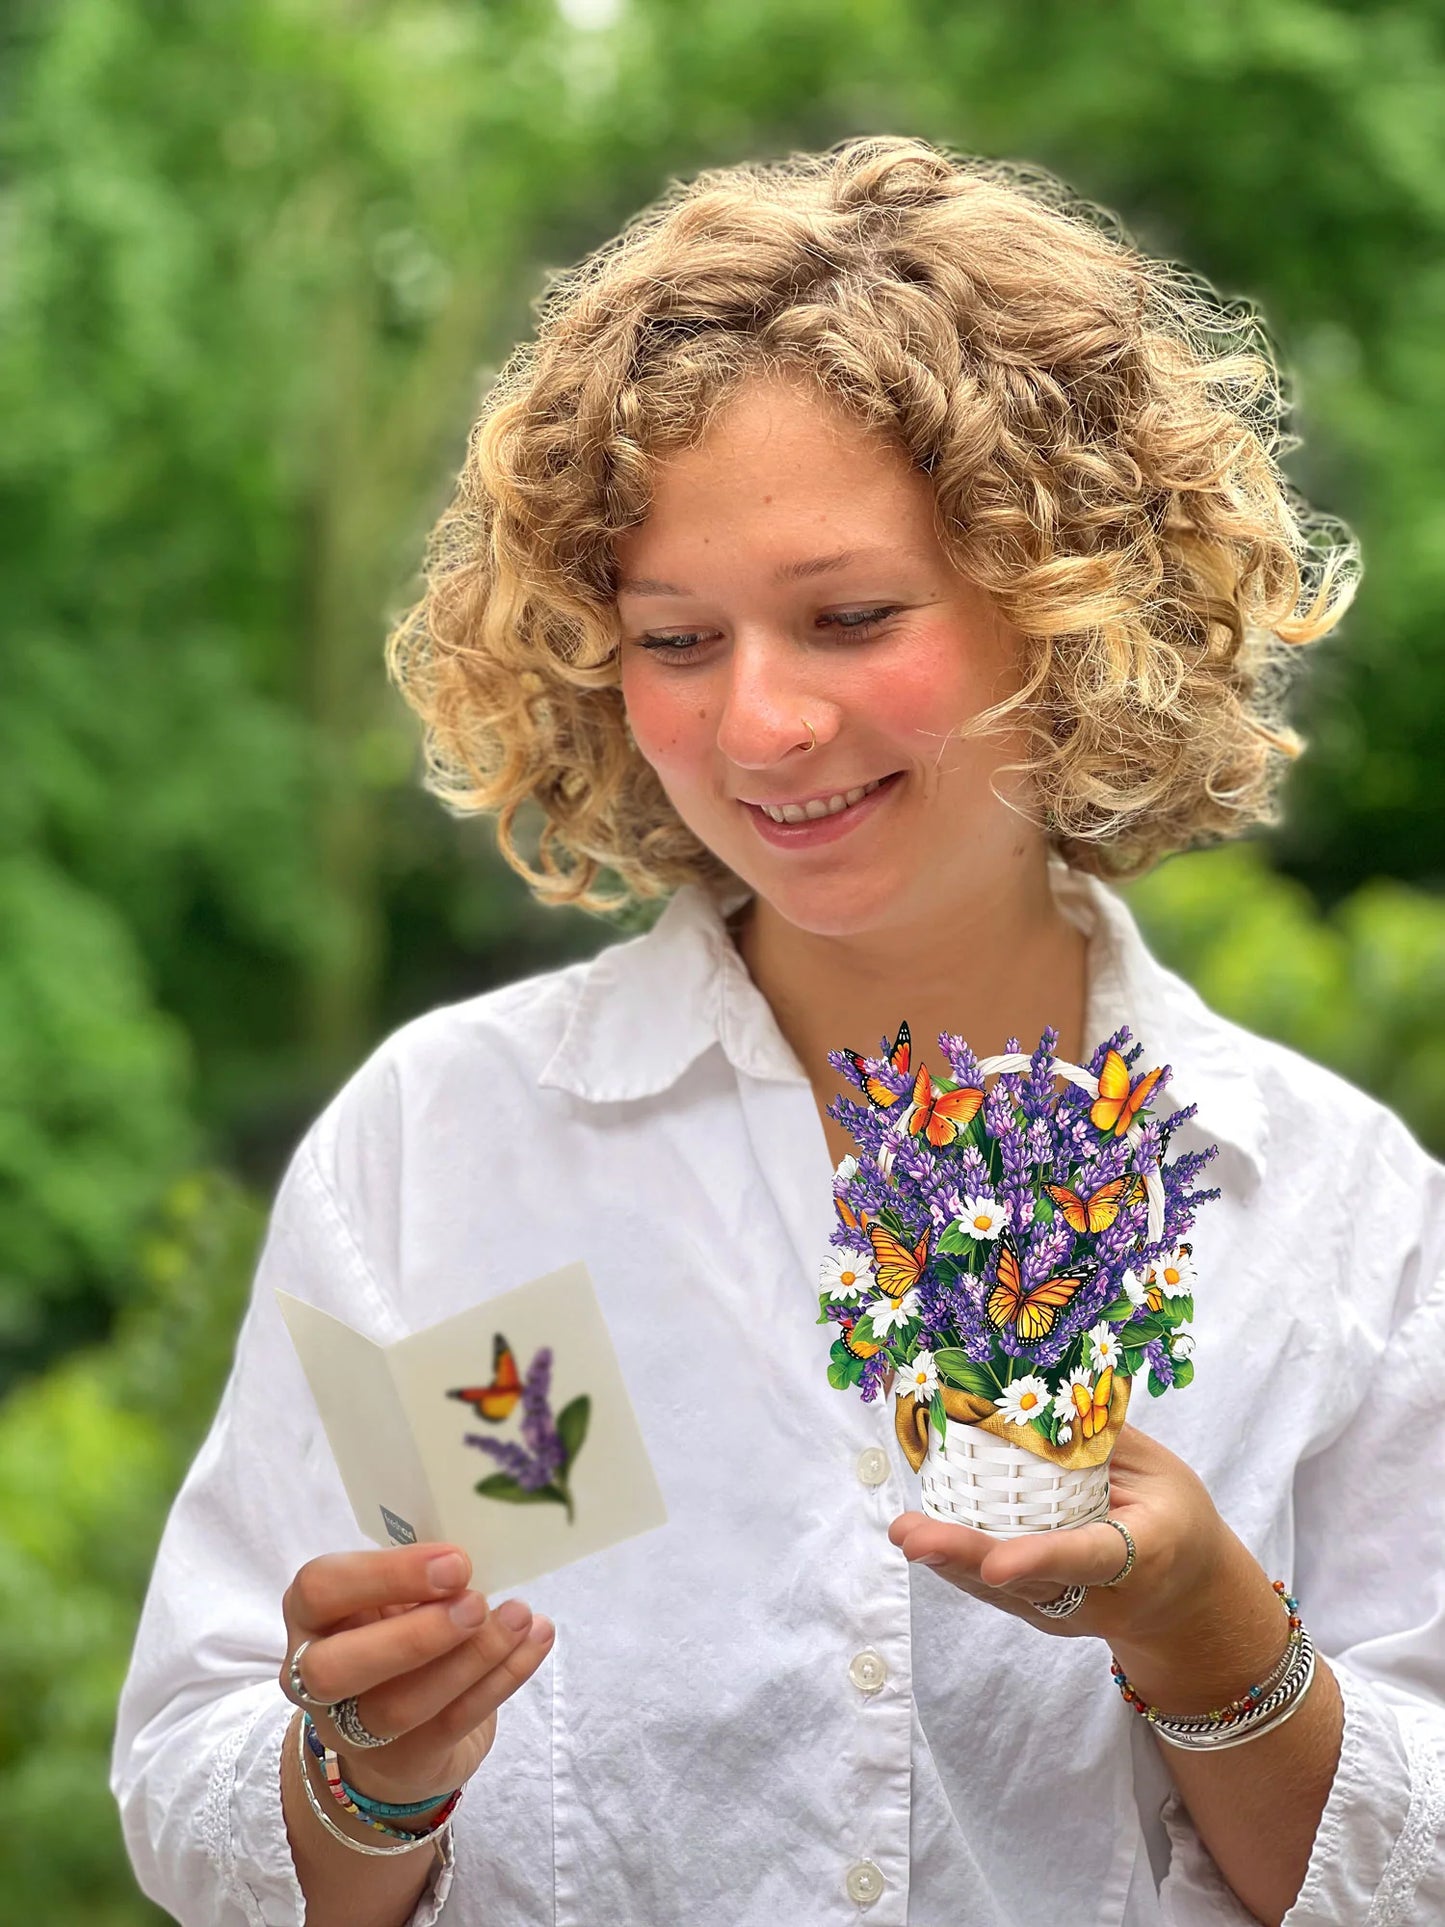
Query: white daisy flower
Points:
[1181, 1345]
[1027, 1398]
[847, 1170]
[1104, 1347]
[982, 1217]
[1173, 1274]
[1135, 1289]
[920, 1377]
[845, 1273]
[886, 1314]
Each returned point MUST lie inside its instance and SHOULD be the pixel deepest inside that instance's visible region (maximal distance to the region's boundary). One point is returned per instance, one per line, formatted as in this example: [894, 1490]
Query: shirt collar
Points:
[649, 1007]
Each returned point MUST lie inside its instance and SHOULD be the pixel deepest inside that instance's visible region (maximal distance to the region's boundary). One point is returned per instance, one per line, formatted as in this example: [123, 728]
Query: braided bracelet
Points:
[346, 1799]
[439, 1837]
[1263, 1706]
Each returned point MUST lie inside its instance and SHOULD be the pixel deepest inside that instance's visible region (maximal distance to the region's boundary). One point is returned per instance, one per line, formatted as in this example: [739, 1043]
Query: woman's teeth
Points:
[802, 812]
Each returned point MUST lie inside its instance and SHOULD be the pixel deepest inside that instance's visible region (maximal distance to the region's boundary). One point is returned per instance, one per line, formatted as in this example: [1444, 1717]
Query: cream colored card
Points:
[402, 1420]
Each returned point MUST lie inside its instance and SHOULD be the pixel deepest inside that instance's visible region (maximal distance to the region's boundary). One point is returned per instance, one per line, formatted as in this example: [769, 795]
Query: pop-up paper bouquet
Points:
[1012, 1245]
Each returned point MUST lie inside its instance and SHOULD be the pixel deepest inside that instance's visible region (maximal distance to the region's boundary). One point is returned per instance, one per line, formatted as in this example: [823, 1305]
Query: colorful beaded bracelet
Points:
[346, 1799]
[1236, 1709]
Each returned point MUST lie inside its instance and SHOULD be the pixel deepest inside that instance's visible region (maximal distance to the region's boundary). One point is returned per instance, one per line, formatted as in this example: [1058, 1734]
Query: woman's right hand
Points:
[428, 1663]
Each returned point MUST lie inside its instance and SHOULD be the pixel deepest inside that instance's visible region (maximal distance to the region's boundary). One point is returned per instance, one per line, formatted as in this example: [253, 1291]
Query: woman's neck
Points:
[987, 975]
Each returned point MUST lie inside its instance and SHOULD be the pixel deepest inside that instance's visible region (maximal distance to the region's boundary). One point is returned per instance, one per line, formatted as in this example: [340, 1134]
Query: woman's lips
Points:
[823, 829]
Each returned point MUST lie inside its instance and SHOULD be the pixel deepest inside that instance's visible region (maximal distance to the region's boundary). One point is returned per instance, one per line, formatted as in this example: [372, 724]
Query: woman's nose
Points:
[768, 713]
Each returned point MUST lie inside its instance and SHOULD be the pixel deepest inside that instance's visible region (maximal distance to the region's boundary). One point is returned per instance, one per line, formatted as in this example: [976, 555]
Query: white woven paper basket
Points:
[973, 1478]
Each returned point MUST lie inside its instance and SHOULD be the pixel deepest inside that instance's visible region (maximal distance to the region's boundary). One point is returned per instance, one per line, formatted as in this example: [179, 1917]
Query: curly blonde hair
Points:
[1103, 438]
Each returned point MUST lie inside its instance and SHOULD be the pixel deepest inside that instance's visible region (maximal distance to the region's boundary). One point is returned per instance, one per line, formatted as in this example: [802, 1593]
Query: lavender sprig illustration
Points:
[537, 1470]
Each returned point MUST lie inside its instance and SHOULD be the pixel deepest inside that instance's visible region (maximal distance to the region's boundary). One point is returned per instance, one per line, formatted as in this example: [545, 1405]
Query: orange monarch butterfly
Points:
[1093, 1408]
[900, 1266]
[1115, 1106]
[937, 1114]
[497, 1400]
[1099, 1210]
[1031, 1313]
[851, 1220]
[862, 1348]
[874, 1089]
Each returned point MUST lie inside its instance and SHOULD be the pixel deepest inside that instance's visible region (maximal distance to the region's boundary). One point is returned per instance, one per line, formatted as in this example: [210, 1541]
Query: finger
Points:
[343, 1664]
[932, 1542]
[468, 1709]
[1040, 1564]
[338, 1585]
[399, 1701]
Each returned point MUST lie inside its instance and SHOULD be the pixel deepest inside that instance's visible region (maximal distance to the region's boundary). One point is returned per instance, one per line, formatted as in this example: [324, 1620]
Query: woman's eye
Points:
[674, 648]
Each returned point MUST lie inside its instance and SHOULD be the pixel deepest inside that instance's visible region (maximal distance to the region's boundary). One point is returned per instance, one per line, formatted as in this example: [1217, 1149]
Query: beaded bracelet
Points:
[439, 1837]
[346, 1799]
[1266, 1704]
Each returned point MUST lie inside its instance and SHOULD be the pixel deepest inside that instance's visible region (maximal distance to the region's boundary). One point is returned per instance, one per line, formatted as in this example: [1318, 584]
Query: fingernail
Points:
[447, 1571]
[469, 1610]
[515, 1616]
[542, 1630]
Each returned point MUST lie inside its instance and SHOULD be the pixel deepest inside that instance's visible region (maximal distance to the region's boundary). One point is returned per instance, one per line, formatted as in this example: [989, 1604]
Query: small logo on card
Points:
[398, 1529]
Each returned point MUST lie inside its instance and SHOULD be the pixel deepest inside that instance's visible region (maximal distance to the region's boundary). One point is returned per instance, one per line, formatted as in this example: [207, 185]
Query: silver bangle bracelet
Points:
[1271, 1712]
[338, 1833]
[1277, 1676]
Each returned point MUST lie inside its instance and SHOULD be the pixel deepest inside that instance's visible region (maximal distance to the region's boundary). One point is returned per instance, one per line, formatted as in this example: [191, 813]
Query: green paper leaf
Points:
[1183, 1371]
[953, 1241]
[960, 1370]
[501, 1485]
[1180, 1307]
[1133, 1362]
[1143, 1331]
[1117, 1313]
[572, 1427]
[1043, 1211]
[937, 1416]
[1157, 1387]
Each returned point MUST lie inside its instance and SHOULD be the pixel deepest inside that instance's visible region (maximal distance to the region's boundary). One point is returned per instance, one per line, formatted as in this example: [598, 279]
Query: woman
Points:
[888, 489]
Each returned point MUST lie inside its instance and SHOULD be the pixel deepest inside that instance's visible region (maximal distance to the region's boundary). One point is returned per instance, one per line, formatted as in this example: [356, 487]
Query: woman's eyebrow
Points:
[785, 572]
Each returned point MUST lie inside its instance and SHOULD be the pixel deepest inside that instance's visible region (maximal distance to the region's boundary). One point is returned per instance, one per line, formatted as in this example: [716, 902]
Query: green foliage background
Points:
[255, 266]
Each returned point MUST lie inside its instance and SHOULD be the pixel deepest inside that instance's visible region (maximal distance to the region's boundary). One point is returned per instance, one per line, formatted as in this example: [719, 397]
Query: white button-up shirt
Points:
[760, 1712]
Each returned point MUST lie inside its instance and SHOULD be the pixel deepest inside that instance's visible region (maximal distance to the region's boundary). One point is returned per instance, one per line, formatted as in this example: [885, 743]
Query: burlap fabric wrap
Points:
[910, 1416]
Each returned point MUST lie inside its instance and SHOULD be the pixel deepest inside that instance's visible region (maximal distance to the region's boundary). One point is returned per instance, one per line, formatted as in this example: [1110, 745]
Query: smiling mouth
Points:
[820, 807]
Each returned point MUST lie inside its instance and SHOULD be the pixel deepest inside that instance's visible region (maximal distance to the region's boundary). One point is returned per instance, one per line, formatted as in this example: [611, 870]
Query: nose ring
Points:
[811, 731]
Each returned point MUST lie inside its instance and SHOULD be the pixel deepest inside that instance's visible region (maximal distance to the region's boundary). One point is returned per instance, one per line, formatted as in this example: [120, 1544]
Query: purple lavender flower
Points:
[541, 1458]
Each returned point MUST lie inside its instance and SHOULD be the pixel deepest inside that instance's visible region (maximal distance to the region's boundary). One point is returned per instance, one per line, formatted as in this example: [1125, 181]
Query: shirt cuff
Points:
[253, 1851]
[1377, 1847]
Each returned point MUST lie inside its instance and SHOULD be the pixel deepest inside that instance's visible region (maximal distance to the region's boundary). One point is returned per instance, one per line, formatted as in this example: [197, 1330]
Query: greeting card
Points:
[506, 1430]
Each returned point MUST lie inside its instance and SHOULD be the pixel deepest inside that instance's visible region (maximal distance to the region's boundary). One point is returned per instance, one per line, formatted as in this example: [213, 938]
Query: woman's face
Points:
[788, 574]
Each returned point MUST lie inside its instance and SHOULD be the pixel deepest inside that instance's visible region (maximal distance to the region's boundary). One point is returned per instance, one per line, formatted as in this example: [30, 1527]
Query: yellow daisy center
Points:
[982, 1221]
[1028, 1401]
[920, 1378]
[1171, 1276]
[847, 1277]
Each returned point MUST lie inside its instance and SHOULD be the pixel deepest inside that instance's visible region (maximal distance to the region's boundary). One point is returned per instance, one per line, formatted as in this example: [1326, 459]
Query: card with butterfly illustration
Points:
[507, 1429]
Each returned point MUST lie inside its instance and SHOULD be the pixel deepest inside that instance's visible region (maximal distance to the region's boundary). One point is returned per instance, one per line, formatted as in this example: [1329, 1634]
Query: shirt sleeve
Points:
[196, 1760]
[1370, 1525]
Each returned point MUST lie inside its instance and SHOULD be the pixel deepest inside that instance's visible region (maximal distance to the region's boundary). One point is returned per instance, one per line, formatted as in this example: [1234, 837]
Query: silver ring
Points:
[348, 1723]
[1066, 1603]
[297, 1684]
[1128, 1565]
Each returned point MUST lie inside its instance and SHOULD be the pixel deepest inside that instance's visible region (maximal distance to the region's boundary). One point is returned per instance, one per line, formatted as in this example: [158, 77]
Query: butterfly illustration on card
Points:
[1099, 1210]
[898, 1265]
[1119, 1101]
[1091, 1407]
[851, 1220]
[939, 1115]
[1029, 1312]
[875, 1090]
[860, 1348]
[498, 1400]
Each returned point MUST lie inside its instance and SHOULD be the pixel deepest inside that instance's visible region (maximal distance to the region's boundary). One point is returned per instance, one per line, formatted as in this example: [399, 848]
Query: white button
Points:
[873, 1465]
[867, 1672]
[864, 1882]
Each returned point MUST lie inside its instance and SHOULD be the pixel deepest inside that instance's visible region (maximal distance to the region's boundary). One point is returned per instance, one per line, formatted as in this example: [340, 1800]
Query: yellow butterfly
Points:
[874, 1089]
[1098, 1211]
[1031, 1313]
[1091, 1408]
[1115, 1107]
[899, 1265]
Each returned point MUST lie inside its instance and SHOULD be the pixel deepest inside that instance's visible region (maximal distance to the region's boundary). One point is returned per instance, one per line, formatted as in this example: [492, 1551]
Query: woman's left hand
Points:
[1181, 1544]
